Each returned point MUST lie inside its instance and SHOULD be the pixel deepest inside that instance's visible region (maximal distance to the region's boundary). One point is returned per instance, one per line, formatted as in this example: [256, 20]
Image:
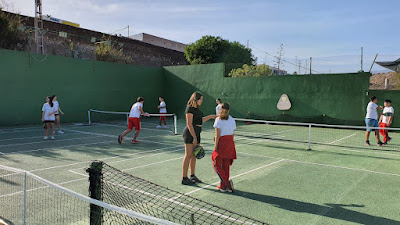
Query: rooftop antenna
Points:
[39, 27]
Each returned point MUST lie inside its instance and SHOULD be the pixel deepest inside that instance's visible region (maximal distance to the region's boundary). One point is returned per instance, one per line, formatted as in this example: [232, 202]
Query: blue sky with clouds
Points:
[316, 28]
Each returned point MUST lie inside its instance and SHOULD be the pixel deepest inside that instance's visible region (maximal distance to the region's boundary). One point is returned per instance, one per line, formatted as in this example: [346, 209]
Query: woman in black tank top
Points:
[191, 136]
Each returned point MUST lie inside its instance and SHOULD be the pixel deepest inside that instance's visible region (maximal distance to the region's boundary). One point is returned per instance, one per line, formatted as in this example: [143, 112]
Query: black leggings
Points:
[187, 137]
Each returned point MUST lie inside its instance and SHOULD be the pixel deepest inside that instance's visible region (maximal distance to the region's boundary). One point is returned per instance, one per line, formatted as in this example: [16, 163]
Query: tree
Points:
[13, 34]
[210, 49]
[251, 71]
[278, 61]
[109, 52]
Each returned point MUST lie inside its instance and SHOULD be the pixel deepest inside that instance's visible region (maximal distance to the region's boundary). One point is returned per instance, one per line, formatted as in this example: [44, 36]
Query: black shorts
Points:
[48, 121]
[56, 114]
[187, 137]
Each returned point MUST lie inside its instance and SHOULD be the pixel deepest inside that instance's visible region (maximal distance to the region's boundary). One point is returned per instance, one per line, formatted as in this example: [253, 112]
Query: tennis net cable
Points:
[26, 198]
[122, 118]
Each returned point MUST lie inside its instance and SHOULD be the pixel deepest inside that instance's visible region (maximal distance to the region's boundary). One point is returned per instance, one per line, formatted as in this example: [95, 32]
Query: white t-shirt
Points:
[387, 112]
[163, 110]
[135, 112]
[56, 105]
[217, 109]
[47, 109]
[371, 111]
[227, 127]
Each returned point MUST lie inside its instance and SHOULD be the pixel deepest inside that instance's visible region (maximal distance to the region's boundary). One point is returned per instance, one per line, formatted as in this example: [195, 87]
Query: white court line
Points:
[45, 141]
[238, 175]
[22, 129]
[31, 137]
[114, 125]
[342, 138]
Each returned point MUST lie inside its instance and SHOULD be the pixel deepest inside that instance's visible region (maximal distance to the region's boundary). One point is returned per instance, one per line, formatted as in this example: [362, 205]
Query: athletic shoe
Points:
[45, 138]
[194, 179]
[119, 139]
[165, 126]
[60, 132]
[231, 184]
[384, 143]
[52, 138]
[135, 142]
[367, 143]
[379, 143]
[221, 189]
[159, 126]
[187, 181]
[389, 139]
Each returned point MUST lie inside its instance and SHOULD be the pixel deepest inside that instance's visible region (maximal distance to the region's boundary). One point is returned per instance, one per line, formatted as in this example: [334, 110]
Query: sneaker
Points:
[119, 139]
[194, 179]
[165, 126]
[45, 138]
[135, 142]
[379, 143]
[389, 139]
[52, 138]
[384, 143]
[367, 143]
[159, 126]
[221, 189]
[231, 184]
[60, 132]
[187, 181]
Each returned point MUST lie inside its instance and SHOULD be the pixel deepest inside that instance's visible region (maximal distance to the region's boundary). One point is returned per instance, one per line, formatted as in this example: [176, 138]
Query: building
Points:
[278, 72]
[161, 42]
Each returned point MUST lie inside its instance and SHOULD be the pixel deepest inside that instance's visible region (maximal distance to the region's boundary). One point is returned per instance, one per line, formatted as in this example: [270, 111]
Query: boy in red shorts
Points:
[386, 120]
[134, 120]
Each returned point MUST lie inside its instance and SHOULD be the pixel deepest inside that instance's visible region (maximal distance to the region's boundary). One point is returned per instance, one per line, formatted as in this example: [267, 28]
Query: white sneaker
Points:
[165, 126]
[231, 183]
[52, 138]
[159, 126]
[60, 132]
[45, 138]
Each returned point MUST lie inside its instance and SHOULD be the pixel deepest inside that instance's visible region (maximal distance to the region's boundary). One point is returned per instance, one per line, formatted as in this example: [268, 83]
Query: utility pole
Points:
[247, 46]
[310, 64]
[128, 30]
[39, 27]
[361, 58]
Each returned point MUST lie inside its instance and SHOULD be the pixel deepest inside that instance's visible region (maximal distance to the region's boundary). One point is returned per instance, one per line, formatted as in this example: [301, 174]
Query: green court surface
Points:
[277, 179]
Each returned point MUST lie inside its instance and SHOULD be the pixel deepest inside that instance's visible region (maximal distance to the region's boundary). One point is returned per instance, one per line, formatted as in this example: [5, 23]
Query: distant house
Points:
[278, 72]
[158, 41]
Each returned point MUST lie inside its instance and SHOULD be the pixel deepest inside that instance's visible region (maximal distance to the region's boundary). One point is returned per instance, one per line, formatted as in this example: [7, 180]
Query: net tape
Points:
[137, 194]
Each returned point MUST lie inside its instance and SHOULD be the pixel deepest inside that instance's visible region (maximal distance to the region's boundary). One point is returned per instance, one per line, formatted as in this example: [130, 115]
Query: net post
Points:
[175, 124]
[95, 191]
[90, 122]
[24, 206]
[192, 219]
[309, 136]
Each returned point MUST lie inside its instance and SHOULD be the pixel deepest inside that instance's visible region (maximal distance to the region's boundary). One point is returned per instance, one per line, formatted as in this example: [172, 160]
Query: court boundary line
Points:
[32, 137]
[45, 141]
[342, 139]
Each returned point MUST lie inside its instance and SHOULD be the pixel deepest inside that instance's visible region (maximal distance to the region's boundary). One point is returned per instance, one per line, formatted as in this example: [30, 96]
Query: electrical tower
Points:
[39, 27]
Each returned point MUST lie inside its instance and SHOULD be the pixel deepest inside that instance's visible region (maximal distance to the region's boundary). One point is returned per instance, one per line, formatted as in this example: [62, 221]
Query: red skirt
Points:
[226, 148]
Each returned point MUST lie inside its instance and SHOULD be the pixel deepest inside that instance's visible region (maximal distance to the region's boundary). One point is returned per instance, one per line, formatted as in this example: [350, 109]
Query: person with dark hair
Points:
[57, 115]
[134, 120]
[224, 147]
[386, 120]
[371, 120]
[48, 118]
[191, 136]
[218, 108]
[163, 110]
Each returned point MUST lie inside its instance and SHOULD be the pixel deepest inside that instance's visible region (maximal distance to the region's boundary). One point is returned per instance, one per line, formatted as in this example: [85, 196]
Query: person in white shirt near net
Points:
[371, 120]
[48, 118]
[134, 120]
[386, 120]
[218, 108]
[224, 149]
[57, 115]
[163, 110]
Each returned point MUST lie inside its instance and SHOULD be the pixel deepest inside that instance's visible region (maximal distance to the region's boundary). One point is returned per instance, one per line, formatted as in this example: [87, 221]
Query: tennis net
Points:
[127, 191]
[153, 121]
[307, 135]
[28, 199]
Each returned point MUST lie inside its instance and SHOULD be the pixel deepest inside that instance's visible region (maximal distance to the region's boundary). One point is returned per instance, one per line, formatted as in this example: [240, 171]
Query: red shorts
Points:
[134, 122]
[163, 117]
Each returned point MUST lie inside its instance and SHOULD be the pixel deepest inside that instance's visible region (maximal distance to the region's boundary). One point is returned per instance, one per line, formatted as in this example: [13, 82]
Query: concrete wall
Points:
[158, 41]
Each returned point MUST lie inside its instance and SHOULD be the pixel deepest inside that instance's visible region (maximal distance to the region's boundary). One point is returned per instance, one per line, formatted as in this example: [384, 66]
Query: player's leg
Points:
[52, 131]
[368, 131]
[219, 170]
[138, 129]
[376, 129]
[46, 132]
[186, 161]
[127, 131]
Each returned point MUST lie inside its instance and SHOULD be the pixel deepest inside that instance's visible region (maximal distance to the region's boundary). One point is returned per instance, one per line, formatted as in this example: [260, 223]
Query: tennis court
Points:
[277, 179]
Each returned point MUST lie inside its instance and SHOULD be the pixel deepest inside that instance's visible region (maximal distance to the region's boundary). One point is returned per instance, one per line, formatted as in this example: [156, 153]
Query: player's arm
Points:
[379, 107]
[380, 119]
[390, 120]
[43, 116]
[217, 136]
[59, 109]
[189, 124]
[206, 118]
[142, 112]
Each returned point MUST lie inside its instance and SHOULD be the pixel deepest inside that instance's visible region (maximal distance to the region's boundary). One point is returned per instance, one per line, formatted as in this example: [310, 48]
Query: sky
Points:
[331, 32]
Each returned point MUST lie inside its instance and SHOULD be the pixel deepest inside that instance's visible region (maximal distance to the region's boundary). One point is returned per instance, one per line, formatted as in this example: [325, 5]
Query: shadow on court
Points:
[335, 211]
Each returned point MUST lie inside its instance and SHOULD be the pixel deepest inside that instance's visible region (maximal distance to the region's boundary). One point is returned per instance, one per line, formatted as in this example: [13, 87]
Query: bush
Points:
[13, 34]
[109, 52]
[251, 71]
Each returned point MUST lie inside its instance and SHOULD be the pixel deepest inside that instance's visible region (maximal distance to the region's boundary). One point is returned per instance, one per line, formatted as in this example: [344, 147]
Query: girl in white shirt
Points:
[218, 108]
[224, 150]
[57, 115]
[48, 117]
